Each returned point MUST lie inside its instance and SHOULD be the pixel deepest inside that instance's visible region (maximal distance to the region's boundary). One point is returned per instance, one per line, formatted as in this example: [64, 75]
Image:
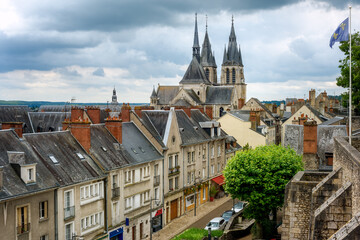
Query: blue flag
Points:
[341, 33]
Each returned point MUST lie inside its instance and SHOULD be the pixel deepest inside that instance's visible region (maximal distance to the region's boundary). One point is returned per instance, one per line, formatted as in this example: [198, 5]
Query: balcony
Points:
[115, 192]
[156, 180]
[69, 212]
[24, 228]
[174, 171]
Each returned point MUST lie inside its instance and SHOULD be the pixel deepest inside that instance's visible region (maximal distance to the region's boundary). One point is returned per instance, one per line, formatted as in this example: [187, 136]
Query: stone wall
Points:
[297, 205]
[294, 137]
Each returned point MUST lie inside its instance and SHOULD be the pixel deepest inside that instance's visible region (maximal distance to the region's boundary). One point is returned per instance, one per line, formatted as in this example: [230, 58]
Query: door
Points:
[134, 233]
[174, 208]
[141, 230]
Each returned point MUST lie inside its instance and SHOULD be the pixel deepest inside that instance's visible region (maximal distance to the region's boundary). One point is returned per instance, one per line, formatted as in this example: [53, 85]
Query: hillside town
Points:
[151, 171]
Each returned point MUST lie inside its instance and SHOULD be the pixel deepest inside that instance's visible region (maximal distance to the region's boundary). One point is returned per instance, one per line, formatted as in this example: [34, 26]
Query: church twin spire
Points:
[232, 56]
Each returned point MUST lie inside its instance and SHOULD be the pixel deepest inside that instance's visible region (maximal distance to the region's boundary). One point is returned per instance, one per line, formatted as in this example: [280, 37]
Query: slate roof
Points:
[193, 95]
[106, 149]
[16, 114]
[219, 95]
[166, 94]
[195, 74]
[263, 107]
[55, 108]
[47, 121]
[241, 114]
[332, 121]
[156, 122]
[286, 116]
[316, 113]
[190, 131]
[207, 57]
[64, 147]
[233, 54]
[12, 184]
[137, 145]
[199, 118]
[182, 103]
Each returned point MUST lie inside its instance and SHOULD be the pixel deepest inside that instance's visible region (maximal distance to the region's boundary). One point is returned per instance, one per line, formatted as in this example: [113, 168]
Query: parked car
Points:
[217, 223]
[227, 215]
[238, 206]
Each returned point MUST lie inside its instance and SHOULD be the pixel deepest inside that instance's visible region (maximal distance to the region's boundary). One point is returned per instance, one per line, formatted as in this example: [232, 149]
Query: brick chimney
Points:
[77, 113]
[17, 126]
[138, 110]
[310, 137]
[254, 118]
[241, 103]
[114, 125]
[94, 114]
[209, 111]
[125, 112]
[81, 131]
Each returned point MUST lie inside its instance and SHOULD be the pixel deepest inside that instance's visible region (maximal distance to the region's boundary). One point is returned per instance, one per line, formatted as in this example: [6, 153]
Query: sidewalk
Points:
[179, 224]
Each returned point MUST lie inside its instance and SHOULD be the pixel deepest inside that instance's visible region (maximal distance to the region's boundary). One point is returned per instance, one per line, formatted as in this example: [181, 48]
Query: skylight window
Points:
[53, 159]
[133, 149]
[141, 149]
[104, 149]
[80, 155]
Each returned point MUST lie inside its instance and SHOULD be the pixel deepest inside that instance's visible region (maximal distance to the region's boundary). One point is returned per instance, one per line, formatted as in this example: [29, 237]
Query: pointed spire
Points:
[232, 37]
[196, 46]
[114, 97]
[207, 59]
[206, 23]
[225, 58]
[233, 54]
[153, 94]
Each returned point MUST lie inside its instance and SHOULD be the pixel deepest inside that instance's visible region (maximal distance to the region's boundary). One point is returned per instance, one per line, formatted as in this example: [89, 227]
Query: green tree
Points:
[343, 80]
[259, 176]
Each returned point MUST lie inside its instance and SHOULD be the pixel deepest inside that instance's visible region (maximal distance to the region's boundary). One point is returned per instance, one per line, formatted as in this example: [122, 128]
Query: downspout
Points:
[106, 205]
[208, 153]
[163, 188]
[56, 214]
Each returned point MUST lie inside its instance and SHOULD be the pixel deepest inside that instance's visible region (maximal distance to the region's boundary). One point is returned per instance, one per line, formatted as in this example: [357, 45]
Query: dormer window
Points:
[30, 174]
[104, 149]
[53, 159]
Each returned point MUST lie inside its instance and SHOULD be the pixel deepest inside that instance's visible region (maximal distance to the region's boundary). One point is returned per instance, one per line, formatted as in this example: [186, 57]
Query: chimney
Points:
[310, 137]
[16, 126]
[241, 103]
[81, 131]
[321, 107]
[114, 125]
[312, 97]
[254, 119]
[138, 110]
[1, 177]
[125, 112]
[302, 120]
[209, 111]
[296, 121]
[94, 114]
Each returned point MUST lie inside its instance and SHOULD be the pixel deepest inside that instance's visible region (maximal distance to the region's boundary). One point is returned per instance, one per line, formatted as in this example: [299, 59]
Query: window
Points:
[115, 180]
[80, 155]
[207, 73]
[68, 199]
[192, 176]
[203, 172]
[53, 159]
[188, 157]
[176, 182]
[212, 151]
[22, 220]
[192, 156]
[219, 151]
[30, 173]
[233, 75]
[128, 178]
[170, 162]
[91, 222]
[69, 229]
[176, 160]
[212, 169]
[156, 193]
[227, 76]
[171, 184]
[43, 207]
[204, 193]
[104, 149]
[93, 191]
[44, 237]
[156, 169]
[188, 178]
[145, 196]
[218, 167]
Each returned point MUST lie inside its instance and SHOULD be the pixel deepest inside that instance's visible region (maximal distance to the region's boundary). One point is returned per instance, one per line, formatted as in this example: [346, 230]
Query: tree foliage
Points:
[343, 80]
[259, 176]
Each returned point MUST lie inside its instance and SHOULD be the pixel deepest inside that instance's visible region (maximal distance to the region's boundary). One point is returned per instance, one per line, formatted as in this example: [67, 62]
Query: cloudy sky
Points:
[56, 50]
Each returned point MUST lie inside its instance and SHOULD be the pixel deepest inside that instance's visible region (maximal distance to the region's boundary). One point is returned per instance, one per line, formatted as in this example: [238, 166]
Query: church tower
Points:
[207, 59]
[196, 46]
[232, 68]
[114, 98]
[153, 98]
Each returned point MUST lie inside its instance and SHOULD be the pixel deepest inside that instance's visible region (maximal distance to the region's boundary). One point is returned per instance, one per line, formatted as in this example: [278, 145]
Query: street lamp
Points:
[151, 220]
[195, 193]
[209, 233]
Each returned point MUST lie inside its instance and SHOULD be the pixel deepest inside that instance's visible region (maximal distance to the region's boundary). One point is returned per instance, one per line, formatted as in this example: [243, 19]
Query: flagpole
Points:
[350, 90]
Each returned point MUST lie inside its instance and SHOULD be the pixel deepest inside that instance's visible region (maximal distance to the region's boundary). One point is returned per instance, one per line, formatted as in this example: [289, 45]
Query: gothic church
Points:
[199, 87]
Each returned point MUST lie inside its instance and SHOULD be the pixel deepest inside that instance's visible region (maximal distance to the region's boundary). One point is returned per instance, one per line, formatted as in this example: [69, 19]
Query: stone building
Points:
[199, 85]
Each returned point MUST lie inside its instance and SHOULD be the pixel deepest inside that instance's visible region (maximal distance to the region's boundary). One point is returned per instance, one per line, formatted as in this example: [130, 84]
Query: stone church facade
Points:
[200, 87]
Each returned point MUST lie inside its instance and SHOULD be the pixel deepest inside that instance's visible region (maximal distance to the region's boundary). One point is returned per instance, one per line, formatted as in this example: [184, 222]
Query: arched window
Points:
[207, 73]
[198, 93]
[233, 75]
[227, 76]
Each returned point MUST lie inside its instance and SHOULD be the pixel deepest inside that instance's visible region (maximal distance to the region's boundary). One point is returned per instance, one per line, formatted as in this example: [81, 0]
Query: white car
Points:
[217, 223]
[238, 206]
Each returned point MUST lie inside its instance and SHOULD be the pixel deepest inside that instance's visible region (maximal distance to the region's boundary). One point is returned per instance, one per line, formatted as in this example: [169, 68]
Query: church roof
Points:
[195, 74]
[182, 103]
[219, 95]
[193, 95]
[166, 94]
[233, 54]
[153, 94]
[207, 58]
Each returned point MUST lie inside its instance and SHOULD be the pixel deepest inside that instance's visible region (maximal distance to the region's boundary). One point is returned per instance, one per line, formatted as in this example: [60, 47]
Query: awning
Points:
[158, 212]
[220, 180]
